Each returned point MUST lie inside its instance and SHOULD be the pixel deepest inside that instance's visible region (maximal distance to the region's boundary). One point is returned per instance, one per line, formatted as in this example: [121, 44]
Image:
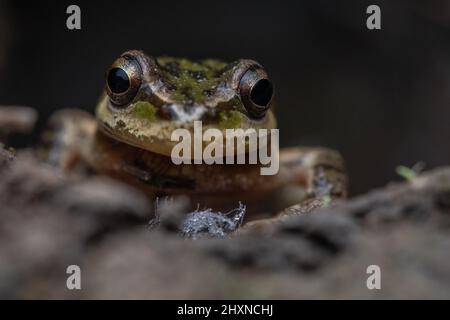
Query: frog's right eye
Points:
[123, 80]
[256, 91]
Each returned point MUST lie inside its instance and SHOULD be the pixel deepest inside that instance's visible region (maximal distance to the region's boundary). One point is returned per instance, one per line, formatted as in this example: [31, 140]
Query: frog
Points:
[146, 98]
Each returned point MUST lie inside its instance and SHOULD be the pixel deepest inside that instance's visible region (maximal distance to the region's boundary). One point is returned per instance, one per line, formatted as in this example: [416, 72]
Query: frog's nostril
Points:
[118, 80]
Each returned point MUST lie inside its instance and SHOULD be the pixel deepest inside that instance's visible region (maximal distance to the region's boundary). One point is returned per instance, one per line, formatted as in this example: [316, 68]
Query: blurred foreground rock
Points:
[16, 119]
[49, 221]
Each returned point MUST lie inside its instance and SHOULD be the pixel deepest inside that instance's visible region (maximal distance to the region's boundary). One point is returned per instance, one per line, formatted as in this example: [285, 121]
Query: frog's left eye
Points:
[123, 80]
[256, 92]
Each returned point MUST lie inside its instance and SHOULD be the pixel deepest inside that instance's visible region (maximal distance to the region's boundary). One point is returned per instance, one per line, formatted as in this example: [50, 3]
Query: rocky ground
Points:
[49, 221]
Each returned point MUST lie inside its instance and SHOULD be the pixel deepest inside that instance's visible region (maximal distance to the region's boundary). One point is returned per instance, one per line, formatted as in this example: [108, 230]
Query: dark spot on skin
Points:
[186, 91]
[165, 113]
[197, 75]
[209, 92]
[171, 87]
[121, 124]
[168, 113]
[146, 90]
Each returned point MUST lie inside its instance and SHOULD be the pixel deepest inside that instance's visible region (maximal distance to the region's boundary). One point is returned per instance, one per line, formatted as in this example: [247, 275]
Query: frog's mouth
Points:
[157, 143]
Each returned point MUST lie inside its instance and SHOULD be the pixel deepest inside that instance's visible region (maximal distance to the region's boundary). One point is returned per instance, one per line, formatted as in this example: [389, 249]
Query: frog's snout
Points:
[183, 113]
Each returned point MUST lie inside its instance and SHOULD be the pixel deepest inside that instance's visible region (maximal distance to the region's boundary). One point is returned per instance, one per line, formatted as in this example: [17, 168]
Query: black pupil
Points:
[118, 80]
[262, 92]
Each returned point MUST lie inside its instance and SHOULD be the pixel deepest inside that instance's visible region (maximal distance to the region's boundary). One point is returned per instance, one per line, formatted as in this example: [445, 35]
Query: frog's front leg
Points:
[320, 170]
[314, 176]
[67, 138]
[311, 173]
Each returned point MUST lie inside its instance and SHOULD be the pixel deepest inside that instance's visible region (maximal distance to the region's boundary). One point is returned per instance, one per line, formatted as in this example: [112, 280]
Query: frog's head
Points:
[146, 98]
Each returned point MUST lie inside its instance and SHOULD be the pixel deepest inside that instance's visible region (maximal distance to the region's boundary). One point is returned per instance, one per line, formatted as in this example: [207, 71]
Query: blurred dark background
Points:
[380, 97]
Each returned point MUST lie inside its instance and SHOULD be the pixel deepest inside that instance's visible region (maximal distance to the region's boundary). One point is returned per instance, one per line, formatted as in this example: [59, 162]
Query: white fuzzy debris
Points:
[206, 223]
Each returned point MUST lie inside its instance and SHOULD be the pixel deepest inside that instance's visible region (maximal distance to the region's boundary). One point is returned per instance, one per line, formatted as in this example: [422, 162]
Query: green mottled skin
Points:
[145, 110]
[191, 79]
[229, 119]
